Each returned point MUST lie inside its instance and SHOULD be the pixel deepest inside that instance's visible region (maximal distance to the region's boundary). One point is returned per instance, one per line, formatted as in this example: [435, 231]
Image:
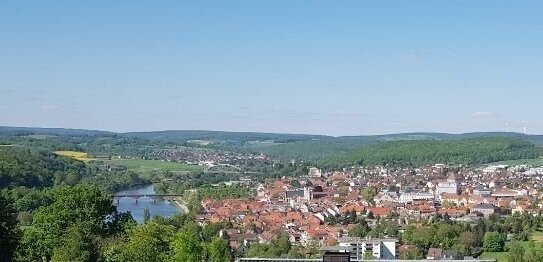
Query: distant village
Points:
[306, 207]
[207, 158]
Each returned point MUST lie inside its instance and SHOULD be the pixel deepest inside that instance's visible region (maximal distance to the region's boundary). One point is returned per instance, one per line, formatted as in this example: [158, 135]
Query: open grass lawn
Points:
[141, 165]
[138, 165]
[537, 237]
[498, 256]
[81, 156]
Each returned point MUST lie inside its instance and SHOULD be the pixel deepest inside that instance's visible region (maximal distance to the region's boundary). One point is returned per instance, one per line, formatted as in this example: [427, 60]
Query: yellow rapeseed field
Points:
[81, 156]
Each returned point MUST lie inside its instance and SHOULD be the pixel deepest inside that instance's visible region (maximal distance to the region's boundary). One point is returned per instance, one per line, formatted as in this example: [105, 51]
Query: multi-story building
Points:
[314, 172]
[363, 248]
[485, 209]
[327, 257]
[449, 186]
[410, 197]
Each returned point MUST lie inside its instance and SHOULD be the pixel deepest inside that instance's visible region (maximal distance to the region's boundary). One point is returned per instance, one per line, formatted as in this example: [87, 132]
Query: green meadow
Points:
[142, 165]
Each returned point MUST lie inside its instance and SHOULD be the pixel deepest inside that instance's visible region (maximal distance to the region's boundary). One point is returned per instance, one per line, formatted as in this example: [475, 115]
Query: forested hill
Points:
[223, 136]
[272, 139]
[425, 152]
[10, 130]
[322, 149]
[31, 168]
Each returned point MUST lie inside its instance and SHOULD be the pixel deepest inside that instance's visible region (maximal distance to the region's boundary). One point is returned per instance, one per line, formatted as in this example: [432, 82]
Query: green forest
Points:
[427, 152]
[79, 224]
[321, 149]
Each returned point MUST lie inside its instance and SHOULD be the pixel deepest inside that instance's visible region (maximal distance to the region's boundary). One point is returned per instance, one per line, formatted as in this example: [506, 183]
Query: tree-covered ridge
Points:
[424, 152]
[221, 136]
[27, 175]
[106, 145]
[319, 150]
[32, 168]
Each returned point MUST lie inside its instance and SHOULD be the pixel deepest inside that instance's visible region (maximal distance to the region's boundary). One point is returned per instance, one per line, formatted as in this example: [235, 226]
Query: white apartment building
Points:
[449, 186]
[314, 172]
[361, 248]
[410, 197]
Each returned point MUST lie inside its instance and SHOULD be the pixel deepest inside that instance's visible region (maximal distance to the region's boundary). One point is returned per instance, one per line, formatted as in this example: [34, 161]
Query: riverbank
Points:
[180, 204]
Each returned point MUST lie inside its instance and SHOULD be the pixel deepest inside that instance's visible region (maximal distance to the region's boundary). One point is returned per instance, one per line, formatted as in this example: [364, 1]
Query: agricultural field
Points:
[142, 165]
[81, 156]
[261, 144]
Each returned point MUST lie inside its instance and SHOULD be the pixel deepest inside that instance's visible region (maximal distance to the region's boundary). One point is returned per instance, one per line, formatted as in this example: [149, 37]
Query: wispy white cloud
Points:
[6, 91]
[480, 114]
[346, 113]
[175, 97]
[48, 107]
[408, 57]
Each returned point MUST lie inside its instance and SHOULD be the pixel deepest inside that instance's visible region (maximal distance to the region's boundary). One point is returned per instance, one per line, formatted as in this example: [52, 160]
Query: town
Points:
[365, 210]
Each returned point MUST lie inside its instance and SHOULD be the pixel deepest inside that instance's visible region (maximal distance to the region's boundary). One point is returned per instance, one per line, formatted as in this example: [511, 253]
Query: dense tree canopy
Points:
[30, 168]
[493, 242]
[424, 152]
[78, 213]
[9, 232]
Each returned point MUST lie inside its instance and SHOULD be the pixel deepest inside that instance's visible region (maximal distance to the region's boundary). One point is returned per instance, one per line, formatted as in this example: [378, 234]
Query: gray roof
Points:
[295, 193]
[485, 206]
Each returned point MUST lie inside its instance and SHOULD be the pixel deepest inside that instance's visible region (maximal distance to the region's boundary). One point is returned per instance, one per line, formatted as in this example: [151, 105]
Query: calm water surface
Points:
[161, 208]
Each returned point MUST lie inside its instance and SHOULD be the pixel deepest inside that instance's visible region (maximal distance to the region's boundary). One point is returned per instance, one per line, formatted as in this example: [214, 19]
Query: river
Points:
[161, 208]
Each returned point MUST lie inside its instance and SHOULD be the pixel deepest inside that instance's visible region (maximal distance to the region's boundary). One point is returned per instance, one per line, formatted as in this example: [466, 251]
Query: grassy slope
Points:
[537, 237]
[138, 165]
[141, 165]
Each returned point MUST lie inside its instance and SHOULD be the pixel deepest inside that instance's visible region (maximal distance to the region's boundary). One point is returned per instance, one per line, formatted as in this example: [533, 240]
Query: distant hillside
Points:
[222, 136]
[313, 148]
[471, 151]
[8, 130]
[320, 150]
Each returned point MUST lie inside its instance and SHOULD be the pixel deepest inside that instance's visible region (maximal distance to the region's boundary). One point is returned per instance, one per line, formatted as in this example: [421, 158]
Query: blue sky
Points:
[320, 67]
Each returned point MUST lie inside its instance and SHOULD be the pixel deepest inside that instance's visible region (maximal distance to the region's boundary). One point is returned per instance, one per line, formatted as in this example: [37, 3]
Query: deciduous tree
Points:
[219, 250]
[493, 242]
[186, 248]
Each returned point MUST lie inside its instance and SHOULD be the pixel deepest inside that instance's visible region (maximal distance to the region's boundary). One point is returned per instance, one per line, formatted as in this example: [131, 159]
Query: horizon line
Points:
[262, 132]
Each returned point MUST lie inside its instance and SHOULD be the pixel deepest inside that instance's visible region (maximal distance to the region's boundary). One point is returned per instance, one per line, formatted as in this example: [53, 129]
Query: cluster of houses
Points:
[207, 158]
[302, 207]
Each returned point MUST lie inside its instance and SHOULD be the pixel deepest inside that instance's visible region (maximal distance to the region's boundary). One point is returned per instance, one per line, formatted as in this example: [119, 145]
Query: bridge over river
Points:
[154, 197]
